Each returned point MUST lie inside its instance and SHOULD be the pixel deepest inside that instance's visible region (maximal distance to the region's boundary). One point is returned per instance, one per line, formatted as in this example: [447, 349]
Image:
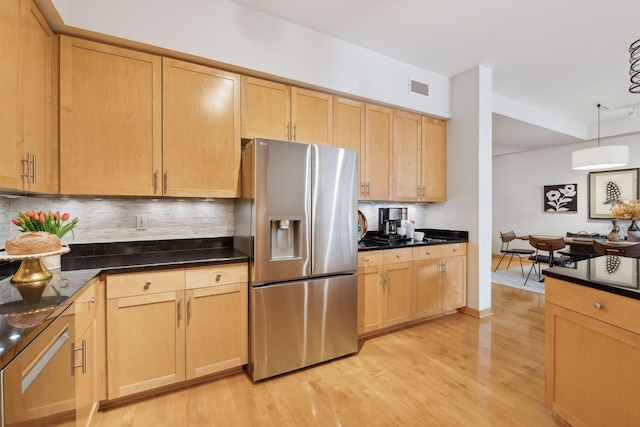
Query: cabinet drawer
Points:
[85, 303]
[393, 256]
[427, 252]
[614, 309]
[453, 249]
[148, 282]
[369, 259]
[216, 275]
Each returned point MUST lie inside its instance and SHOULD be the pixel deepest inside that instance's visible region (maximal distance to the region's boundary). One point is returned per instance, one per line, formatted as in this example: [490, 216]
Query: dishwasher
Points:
[38, 386]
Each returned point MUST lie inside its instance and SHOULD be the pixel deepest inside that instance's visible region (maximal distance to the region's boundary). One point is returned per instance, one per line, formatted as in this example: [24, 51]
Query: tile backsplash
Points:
[114, 220]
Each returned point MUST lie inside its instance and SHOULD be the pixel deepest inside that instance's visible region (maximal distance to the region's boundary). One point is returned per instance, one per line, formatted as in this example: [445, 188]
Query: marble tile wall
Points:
[114, 220]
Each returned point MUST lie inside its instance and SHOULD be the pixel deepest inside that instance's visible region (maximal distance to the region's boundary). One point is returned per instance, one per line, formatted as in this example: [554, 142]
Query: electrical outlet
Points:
[141, 222]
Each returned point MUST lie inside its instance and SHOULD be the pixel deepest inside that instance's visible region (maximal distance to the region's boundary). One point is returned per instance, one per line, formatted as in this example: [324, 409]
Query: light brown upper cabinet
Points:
[9, 71]
[131, 126]
[312, 116]
[27, 79]
[348, 130]
[201, 131]
[419, 158]
[110, 119]
[407, 138]
[266, 109]
[433, 157]
[278, 111]
[377, 168]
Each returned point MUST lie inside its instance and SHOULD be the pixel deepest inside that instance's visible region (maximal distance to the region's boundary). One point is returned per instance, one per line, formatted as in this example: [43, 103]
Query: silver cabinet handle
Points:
[147, 284]
[428, 252]
[363, 188]
[179, 309]
[288, 131]
[83, 364]
[382, 279]
[367, 188]
[166, 181]
[399, 256]
[33, 169]
[598, 306]
[28, 162]
[155, 181]
[294, 131]
[455, 249]
[218, 277]
[90, 300]
[386, 275]
[189, 310]
[367, 259]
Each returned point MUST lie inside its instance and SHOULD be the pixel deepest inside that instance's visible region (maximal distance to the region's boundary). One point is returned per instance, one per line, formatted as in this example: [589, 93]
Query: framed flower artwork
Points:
[561, 198]
[606, 187]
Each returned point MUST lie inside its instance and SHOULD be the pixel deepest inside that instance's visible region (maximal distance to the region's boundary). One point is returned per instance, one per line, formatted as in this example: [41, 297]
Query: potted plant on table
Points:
[628, 210]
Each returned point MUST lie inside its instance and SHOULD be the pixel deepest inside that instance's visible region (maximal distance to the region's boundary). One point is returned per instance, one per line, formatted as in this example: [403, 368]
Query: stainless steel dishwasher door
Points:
[302, 323]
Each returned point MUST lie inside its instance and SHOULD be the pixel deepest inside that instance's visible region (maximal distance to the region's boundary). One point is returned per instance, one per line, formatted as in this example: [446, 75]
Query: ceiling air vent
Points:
[418, 88]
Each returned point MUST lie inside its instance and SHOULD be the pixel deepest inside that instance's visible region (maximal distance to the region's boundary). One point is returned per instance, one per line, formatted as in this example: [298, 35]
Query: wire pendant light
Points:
[634, 70]
[611, 156]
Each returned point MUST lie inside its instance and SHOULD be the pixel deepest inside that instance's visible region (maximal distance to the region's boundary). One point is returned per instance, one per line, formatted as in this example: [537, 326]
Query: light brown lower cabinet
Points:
[86, 355]
[592, 349]
[397, 286]
[167, 326]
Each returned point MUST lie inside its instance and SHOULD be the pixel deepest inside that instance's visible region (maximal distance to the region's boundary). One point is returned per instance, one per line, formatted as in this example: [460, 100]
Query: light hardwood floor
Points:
[451, 371]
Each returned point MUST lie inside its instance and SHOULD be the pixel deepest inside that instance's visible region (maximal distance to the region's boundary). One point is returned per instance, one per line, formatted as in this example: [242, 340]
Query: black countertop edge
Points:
[560, 274]
[442, 237]
[143, 254]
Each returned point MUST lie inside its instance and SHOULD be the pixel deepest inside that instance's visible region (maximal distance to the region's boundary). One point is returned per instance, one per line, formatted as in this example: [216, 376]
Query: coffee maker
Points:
[389, 220]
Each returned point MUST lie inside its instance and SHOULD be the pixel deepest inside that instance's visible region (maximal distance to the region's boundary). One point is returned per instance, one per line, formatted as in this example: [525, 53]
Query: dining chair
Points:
[549, 245]
[506, 238]
[629, 251]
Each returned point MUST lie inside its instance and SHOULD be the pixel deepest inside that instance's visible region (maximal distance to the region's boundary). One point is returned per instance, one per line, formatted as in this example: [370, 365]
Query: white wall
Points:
[518, 181]
[468, 204]
[233, 34]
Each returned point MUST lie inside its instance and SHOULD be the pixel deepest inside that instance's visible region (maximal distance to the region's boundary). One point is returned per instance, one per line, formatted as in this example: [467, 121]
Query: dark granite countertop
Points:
[433, 236]
[21, 320]
[609, 273]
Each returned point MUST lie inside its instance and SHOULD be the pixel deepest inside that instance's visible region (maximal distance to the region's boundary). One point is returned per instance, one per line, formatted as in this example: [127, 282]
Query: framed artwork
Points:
[561, 198]
[608, 186]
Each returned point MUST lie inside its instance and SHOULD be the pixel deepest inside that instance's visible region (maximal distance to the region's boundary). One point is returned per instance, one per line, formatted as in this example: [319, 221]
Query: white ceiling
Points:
[561, 57]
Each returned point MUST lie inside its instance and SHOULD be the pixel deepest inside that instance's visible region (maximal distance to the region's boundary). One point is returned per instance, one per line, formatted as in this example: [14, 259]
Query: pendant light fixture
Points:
[611, 156]
[634, 71]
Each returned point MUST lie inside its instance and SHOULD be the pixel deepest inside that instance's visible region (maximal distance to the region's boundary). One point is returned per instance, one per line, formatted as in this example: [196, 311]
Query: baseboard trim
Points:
[478, 314]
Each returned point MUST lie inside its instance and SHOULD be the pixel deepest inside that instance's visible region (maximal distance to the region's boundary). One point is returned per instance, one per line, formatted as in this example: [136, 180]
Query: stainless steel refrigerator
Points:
[297, 220]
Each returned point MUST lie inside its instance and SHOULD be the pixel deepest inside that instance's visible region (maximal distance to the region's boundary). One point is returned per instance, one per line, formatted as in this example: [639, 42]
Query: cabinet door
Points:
[39, 143]
[454, 282]
[378, 156]
[145, 341]
[201, 130]
[10, 167]
[433, 159]
[407, 137]
[369, 299]
[591, 369]
[348, 131]
[110, 119]
[427, 297]
[312, 116]
[266, 109]
[216, 329]
[398, 292]
[87, 375]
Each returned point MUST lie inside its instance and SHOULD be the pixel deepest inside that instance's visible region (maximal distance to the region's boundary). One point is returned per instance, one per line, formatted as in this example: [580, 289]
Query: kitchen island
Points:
[592, 341]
